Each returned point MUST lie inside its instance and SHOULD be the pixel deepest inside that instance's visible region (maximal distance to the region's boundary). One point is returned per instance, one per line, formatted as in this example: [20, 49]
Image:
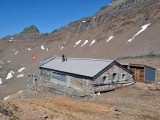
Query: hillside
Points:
[121, 21]
[125, 30]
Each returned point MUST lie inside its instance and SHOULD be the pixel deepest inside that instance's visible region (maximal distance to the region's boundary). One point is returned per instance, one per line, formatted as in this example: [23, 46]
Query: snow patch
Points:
[8, 61]
[0, 81]
[61, 48]
[86, 41]
[98, 93]
[77, 43]
[11, 39]
[47, 49]
[20, 91]
[5, 98]
[21, 69]
[21, 75]
[29, 48]
[143, 28]
[16, 52]
[9, 75]
[92, 42]
[42, 47]
[110, 38]
[83, 21]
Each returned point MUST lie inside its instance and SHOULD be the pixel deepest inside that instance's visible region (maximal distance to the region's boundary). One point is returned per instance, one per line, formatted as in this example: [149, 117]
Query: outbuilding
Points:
[141, 73]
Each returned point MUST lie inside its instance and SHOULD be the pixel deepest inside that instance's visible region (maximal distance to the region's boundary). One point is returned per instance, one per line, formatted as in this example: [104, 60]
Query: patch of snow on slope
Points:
[20, 91]
[61, 48]
[86, 41]
[11, 39]
[143, 28]
[42, 47]
[21, 75]
[0, 81]
[8, 61]
[9, 75]
[5, 98]
[29, 48]
[16, 52]
[92, 42]
[77, 43]
[47, 49]
[110, 38]
[23, 68]
[83, 21]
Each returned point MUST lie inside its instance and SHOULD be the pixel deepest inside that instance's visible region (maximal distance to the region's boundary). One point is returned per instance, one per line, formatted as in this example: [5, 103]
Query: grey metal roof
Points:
[79, 66]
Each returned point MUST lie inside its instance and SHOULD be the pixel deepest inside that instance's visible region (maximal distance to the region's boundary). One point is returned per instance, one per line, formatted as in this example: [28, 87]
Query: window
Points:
[124, 76]
[59, 76]
[105, 78]
[114, 76]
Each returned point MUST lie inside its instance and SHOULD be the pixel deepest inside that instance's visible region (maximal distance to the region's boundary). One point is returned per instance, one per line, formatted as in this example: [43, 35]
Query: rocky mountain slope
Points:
[126, 30]
[109, 29]
[121, 29]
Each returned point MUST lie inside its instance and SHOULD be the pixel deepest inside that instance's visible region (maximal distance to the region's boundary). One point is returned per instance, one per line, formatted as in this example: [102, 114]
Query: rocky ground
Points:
[137, 102]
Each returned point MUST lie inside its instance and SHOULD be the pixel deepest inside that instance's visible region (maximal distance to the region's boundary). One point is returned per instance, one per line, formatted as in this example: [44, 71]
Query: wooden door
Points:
[138, 74]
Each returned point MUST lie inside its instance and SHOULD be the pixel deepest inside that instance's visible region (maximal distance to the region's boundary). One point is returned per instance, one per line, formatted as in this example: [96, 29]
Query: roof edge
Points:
[141, 65]
[68, 73]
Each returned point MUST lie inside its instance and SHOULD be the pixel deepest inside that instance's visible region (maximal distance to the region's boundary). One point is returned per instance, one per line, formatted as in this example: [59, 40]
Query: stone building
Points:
[84, 74]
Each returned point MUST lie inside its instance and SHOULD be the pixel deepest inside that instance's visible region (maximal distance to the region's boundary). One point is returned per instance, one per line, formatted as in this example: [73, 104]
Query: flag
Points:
[33, 58]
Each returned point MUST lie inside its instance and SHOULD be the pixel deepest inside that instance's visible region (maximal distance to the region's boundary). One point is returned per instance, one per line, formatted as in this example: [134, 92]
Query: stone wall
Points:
[73, 82]
[83, 85]
[45, 84]
[118, 78]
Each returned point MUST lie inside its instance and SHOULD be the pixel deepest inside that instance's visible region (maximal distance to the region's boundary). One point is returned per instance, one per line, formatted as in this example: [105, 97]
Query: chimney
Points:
[63, 58]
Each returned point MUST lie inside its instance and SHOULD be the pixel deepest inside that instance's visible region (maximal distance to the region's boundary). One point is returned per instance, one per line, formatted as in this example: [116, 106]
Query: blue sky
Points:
[47, 15]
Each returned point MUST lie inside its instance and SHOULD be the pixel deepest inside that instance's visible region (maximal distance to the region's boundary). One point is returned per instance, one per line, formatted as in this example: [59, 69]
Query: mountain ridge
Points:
[121, 20]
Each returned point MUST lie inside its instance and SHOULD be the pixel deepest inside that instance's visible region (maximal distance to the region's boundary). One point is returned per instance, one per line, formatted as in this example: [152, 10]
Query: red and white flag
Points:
[33, 58]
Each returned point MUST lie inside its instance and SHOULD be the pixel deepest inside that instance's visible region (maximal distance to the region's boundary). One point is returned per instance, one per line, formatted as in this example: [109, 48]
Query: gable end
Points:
[109, 66]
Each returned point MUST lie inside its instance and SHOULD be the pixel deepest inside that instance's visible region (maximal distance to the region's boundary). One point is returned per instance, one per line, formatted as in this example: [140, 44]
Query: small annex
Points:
[92, 75]
[142, 73]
